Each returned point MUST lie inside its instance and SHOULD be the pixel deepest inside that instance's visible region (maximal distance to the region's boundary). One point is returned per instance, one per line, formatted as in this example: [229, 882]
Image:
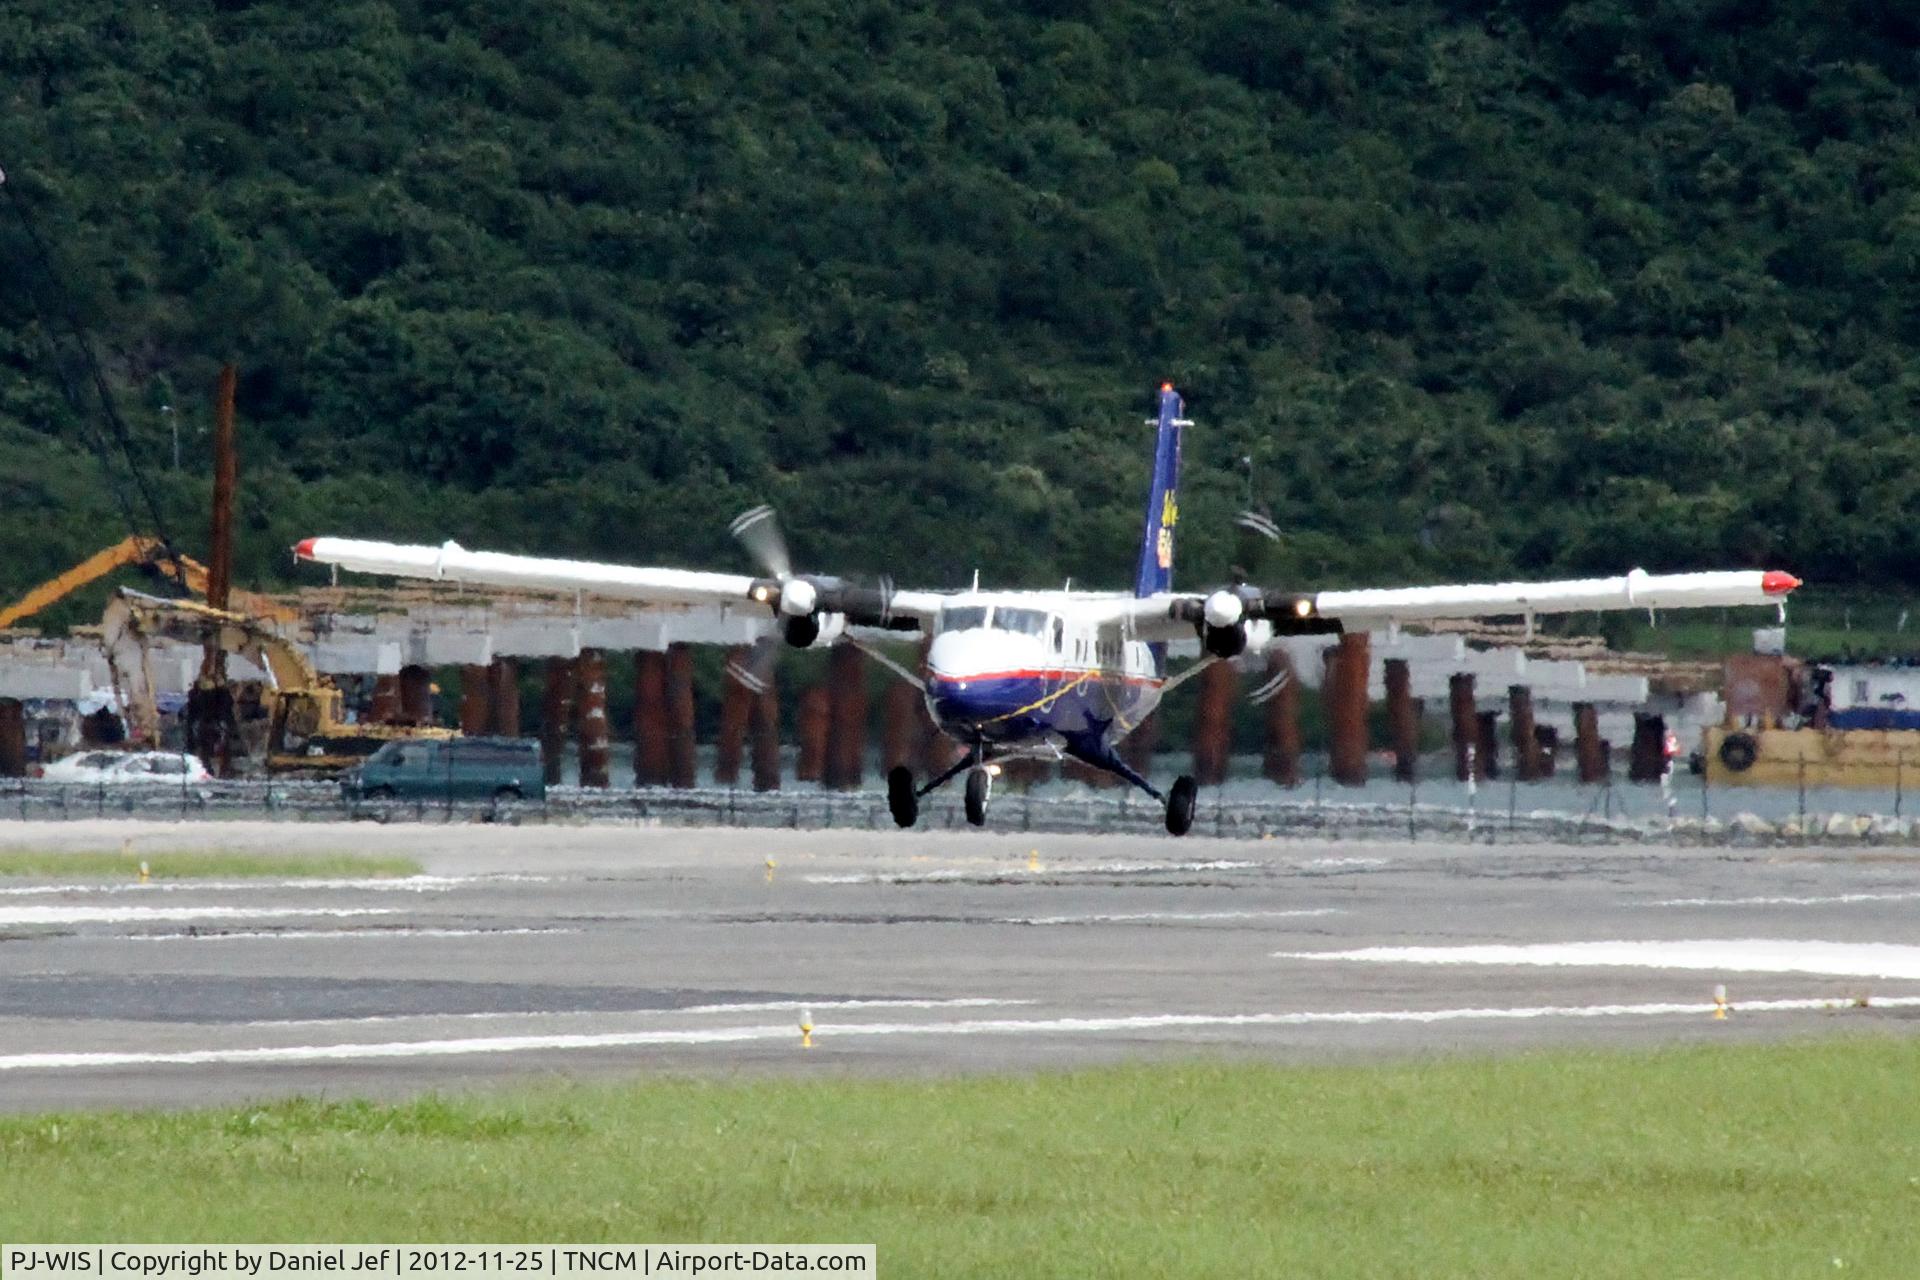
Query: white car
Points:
[128, 768]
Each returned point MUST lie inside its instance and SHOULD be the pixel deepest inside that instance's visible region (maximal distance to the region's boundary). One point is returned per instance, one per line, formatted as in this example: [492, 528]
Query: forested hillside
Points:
[1567, 287]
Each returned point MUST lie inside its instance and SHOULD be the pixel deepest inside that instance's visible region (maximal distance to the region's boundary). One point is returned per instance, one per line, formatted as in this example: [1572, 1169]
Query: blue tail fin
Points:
[1163, 500]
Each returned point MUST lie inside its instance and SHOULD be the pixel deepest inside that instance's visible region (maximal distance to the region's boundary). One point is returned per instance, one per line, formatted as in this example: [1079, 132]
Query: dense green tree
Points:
[1452, 289]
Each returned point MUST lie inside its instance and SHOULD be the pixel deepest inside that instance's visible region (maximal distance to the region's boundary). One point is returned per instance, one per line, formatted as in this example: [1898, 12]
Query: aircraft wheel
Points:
[900, 797]
[1180, 802]
[979, 783]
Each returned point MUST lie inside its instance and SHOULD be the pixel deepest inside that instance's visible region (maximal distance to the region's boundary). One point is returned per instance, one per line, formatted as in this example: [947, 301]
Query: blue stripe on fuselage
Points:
[1024, 706]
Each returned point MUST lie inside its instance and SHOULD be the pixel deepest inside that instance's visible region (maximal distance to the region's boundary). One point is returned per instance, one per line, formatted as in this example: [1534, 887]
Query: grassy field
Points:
[1717, 1161]
[186, 864]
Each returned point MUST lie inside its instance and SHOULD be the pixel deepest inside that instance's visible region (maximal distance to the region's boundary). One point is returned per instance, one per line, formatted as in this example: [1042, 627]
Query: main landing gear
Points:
[903, 797]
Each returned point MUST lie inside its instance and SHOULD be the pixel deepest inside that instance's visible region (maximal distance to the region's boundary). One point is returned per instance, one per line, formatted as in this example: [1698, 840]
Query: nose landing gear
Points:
[979, 788]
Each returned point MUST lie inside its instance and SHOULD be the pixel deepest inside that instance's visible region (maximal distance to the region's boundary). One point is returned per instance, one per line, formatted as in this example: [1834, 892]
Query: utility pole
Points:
[211, 711]
[220, 570]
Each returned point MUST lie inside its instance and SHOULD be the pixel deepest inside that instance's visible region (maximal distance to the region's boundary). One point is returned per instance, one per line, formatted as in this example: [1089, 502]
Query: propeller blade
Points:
[755, 673]
[1254, 522]
[1267, 691]
[758, 530]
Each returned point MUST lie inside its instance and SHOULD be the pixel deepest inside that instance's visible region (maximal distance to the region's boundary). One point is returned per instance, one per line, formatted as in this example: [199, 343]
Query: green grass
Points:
[211, 864]
[1706, 1161]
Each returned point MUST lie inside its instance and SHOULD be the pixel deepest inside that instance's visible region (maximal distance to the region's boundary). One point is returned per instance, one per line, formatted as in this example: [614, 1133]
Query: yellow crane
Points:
[136, 550]
[306, 732]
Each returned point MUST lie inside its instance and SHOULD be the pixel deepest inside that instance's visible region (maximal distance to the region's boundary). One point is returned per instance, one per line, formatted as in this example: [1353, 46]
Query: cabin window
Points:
[1028, 622]
[1859, 693]
[1059, 636]
[963, 617]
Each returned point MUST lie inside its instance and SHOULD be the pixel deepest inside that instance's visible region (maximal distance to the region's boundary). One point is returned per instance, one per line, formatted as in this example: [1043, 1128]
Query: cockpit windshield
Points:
[1028, 622]
[968, 617]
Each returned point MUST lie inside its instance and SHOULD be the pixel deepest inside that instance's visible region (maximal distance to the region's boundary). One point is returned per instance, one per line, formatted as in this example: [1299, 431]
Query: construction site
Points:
[304, 683]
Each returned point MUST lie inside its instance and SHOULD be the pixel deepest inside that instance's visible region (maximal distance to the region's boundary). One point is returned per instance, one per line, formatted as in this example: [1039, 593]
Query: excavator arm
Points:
[136, 550]
[195, 623]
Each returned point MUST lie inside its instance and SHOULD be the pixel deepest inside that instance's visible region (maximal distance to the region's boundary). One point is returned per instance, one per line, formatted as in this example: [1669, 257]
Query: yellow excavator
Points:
[136, 550]
[305, 730]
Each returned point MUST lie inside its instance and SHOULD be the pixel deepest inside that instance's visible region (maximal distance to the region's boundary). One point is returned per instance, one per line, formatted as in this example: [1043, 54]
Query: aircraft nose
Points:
[975, 702]
[979, 675]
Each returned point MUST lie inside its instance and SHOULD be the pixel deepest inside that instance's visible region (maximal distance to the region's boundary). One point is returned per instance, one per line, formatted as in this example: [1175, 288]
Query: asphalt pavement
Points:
[525, 953]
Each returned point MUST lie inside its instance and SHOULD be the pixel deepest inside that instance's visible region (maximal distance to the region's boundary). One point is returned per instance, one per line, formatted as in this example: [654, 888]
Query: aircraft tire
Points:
[1180, 804]
[978, 783]
[901, 800]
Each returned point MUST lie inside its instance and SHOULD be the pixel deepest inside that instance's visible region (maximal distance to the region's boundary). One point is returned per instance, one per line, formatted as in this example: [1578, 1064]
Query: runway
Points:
[601, 950]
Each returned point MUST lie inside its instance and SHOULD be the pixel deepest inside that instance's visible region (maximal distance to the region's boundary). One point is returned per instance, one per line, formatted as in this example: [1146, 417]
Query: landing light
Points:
[1303, 607]
[761, 594]
[993, 771]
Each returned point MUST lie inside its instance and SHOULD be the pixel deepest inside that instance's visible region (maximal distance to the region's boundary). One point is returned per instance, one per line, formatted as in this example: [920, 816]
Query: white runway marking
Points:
[139, 915]
[377, 884]
[826, 1034]
[1733, 955]
[754, 1006]
[757, 1006]
[1831, 900]
[1013, 870]
[1173, 917]
[304, 935]
[1342, 862]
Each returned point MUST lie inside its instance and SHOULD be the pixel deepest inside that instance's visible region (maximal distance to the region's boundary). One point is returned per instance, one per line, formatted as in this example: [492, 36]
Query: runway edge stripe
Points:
[826, 1032]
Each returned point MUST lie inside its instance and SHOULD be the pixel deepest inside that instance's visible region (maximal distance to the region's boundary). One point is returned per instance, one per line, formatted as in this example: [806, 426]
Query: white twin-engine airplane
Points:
[1043, 673]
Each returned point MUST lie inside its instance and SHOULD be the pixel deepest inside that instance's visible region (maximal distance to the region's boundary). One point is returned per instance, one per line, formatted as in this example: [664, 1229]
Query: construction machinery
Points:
[147, 553]
[299, 709]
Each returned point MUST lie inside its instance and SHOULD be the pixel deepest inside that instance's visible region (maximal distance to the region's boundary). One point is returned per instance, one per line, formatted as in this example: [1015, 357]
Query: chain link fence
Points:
[1679, 810]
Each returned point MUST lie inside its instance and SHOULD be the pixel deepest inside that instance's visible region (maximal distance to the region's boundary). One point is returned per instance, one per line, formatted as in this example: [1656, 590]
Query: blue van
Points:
[456, 769]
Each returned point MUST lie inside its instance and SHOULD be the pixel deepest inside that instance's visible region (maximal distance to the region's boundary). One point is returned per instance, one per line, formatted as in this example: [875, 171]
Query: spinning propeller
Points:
[1221, 619]
[811, 610]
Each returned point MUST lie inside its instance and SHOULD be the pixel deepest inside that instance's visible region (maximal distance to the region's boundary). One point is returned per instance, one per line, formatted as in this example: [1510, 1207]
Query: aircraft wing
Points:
[1172, 615]
[1636, 590]
[450, 562]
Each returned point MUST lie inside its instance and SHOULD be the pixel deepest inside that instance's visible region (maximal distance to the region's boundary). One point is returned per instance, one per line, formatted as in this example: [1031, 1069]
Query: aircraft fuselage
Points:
[1012, 669]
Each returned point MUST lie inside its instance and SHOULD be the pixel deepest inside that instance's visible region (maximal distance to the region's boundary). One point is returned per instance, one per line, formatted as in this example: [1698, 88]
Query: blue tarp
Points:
[1873, 718]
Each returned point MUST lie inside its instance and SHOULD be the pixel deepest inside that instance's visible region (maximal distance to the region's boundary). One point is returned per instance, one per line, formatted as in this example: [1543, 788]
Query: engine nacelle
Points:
[1223, 642]
[813, 630]
[1222, 624]
[1232, 621]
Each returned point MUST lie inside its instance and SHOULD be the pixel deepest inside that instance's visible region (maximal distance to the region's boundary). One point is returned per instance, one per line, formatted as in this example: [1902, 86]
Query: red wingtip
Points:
[303, 549]
[1776, 582]
[1166, 386]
